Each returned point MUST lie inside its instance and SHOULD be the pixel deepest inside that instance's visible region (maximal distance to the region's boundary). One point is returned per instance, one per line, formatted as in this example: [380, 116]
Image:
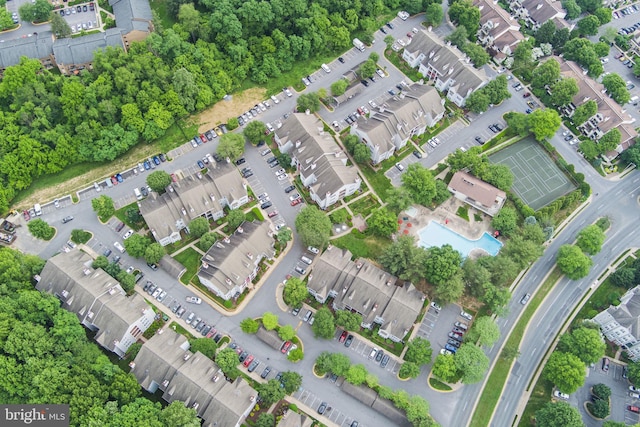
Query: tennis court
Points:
[537, 179]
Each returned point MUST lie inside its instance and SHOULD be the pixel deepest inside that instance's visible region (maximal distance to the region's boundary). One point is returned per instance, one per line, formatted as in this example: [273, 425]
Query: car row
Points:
[434, 142]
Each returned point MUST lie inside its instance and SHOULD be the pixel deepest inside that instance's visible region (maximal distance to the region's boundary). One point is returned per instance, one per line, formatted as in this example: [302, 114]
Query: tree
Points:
[601, 391]
[584, 343]
[158, 180]
[584, 112]
[566, 371]
[545, 33]
[442, 264]
[270, 392]
[617, 88]
[609, 141]
[383, 222]
[308, 101]
[154, 253]
[286, 332]
[544, 123]
[323, 326]
[572, 8]
[599, 408]
[59, 26]
[205, 346]
[361, 154]
[269, 321]
[444, 367]
[558, 414]
[485, 331]
[339, 87]
[313, 226]
[409, 370]
[588, 26]
[478, 102]
[207, 240]
[235, 217]
[434, 14]
[563, 91]
[476, 54]
[265, 419]
[231, 145]
[471, 362]
[103, 206]
[39, 11]
[227, 359]
[100, 262]
[284, 235]
[295, 355]
[518, 122]
[420, 183]
[295, 292]
[249, 325]
[573, 262]
[505, 221]
[498, 175]
[291, 381]
[459, 37]
[254, 131]
[357, 374]
[40, 229]
[338, 364]
[198, 227]
[590, 239]
[399, 199]
[465, 14]
[623, 276]
[545, 74]
[137, 245]
[589, 149]
[348, 320]
[497, 90]
[418, 351]
[367, 69]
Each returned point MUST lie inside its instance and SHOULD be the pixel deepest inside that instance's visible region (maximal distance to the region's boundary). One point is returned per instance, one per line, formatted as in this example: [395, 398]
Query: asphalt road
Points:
[447, 408]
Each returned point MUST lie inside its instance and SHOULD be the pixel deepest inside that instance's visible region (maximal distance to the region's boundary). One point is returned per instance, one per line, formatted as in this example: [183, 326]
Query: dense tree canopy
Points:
[573, 262]
[313, 226]
[565, 370]
[558, 414]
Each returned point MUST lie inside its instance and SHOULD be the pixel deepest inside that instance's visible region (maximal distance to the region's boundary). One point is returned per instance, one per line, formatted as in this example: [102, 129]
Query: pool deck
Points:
[445, 214]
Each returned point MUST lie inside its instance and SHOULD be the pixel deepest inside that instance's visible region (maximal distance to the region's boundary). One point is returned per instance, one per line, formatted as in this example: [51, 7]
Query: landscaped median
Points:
[495, 383]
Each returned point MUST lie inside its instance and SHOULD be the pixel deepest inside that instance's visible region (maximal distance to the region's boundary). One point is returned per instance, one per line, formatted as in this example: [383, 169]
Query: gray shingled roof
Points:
[361, 392]
[37, 47]
[294, 419]
[230, 262]
[80, 50]
[317, 153]
[270, 338]
[132, 14]
[476, 189]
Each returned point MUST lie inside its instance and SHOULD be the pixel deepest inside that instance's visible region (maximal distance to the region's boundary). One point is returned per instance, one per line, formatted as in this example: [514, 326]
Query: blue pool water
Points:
[436, 234]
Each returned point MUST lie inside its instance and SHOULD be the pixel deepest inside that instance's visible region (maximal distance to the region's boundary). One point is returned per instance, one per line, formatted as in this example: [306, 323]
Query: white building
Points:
[620, 324]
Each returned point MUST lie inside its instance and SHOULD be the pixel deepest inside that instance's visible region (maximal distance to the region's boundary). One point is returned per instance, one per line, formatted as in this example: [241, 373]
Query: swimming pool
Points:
[436, 234]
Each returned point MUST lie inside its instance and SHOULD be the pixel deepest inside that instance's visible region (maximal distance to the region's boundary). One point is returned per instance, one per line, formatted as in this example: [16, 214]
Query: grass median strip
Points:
[495, 383]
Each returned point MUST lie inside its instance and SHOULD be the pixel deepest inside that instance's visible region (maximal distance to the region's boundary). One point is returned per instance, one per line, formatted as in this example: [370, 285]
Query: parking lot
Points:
[81, 17]
[620, 398]
[436, 325]
[311, 400]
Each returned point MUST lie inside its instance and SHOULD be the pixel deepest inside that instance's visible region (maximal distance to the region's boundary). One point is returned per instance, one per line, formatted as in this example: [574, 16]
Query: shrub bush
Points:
[41, 230]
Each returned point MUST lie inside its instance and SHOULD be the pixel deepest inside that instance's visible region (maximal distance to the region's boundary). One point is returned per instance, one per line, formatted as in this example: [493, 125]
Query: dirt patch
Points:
[233, 107]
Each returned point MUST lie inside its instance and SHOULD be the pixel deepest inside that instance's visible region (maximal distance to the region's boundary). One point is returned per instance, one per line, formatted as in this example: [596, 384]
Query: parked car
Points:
[455, 336]
[348, 341]
[194, 300]
[67, 219]
[343, 337]
[385, 361]
[450, 348]
[322, 408]
[435, 306]
[285, 347]
[252, 367]
[307, 316]
[265, 372]
[399, 167]
[466, 315]
[605, 364]
[248, 360]
[190, 318]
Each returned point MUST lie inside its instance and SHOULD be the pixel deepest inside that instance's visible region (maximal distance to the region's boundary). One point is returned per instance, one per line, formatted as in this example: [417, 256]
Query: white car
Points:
[466, 315]
[288, 92]
[444, 351]
[313, 250]
[130, 269]
[127, 234]
[280, 172]
[560, 395]
[404, 15]
[156, 293]
[436, 306]
[194, 300]
[373, 104]
[270, 127]
[275, 99]
[283, 177]
[380, 72]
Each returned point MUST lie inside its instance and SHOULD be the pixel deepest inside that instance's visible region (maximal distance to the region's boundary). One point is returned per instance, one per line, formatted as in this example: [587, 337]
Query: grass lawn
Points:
[191, 260]
[463, 213]
[396, 59]
[364, 206]
[160, 7]
[498, 376]
[438, 385]
[362, 245]
[177, 134]
[378, 181]
[606, 294]
[121, 215]
[539, 397]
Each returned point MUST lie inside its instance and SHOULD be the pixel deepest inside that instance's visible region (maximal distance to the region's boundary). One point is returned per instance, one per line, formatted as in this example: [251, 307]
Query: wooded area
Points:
[49, 121]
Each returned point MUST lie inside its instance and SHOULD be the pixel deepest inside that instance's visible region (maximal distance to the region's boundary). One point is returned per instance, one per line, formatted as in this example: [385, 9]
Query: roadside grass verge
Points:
[498, 376]
[190, 258]
[362, 245]
[540, 396]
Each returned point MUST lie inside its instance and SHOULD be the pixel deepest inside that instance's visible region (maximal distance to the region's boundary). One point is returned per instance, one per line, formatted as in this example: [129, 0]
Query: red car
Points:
[296, 202]
[26, 215]
[286, 346]
[272, 214]
[248, 360]
[526, 94]
[203, 138]
[343, 337]
[174, 178]
[634, 409]
[114, 180]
